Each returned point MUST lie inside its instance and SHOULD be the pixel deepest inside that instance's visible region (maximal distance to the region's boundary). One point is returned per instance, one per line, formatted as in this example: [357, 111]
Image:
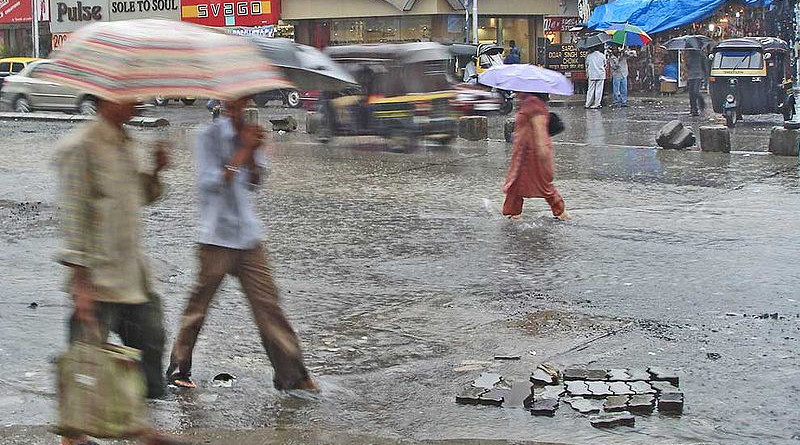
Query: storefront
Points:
[16, 31]
[373, 21]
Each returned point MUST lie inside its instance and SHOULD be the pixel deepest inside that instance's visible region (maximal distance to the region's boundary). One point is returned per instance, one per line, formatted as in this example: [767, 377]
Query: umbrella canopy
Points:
[307, 67]
[593, 40]
[690, 43]
[628, 35]
[130, 60]
[526, 78]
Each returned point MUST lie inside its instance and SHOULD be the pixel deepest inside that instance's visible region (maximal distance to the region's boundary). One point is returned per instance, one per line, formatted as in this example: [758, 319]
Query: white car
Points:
[25, 94]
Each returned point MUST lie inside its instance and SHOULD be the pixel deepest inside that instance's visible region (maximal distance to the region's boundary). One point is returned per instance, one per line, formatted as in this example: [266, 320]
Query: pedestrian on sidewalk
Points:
[619, 77]
[695, 73]
[596, 70]
[230, 164]
[102, 192]
[532, 161]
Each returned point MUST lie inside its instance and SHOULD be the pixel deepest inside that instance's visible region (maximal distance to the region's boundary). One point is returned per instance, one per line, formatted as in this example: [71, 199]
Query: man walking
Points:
[696, 72]
[102, 194]
[230, 163]
[596, 70]
[619, 77]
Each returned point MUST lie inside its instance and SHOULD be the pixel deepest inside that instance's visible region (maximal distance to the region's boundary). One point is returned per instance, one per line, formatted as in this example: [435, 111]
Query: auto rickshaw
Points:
[751, 75]
[405, 94]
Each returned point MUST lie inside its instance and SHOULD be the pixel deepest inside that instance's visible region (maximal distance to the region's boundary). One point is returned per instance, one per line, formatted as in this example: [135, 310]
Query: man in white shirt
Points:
[596, 70]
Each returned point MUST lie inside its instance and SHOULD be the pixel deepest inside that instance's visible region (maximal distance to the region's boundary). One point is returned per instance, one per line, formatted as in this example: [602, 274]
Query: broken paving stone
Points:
[493, 397]
[574, 374]
[663, 374]
[613, 420]
[664, 387]
[540, 376]
[548, 392]
[578, 388]
[470, 395]
[596, 374]
[671, 403]
[639, 374]
[519, 396]
[618, 375]
[599, 389]
[615, 403]
[641, 388]
[642, 404]
[620, 388]
[487, 380]
[713, 355]
[584, 406]
[544, 407]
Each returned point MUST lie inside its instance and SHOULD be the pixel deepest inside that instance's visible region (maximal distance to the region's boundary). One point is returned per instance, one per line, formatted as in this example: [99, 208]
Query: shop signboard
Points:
[555, 23]
[260, 31]
[565, 57]
[233, 13]
[57, 40]
[15, 11]
[69, 15]
[144, 9]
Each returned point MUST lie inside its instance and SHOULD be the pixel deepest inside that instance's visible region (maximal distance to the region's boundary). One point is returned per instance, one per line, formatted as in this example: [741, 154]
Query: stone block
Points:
[470, 395]
[493, 397]
[784, 142]
[642, 404]
[675, 136]
[545, 374]
[574, 374]
[640, 387]
[618, 375]
[544, 407]
[620, 388]
[615, 403]
[596, 374]
[508, 129]
[287, 124]
[715, 138]
[548, 392]
[671, 403]
[664, 387]
[663, 375]
[585, 406]
[599, 389]
[578, 388]
[473, 128]
[638, 374]
[613, 420]
[312, 122]
[487, 380]
[519, 396]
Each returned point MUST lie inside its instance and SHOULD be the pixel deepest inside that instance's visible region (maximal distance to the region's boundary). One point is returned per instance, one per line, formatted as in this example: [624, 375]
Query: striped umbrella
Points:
[628, 35]
[135, 59]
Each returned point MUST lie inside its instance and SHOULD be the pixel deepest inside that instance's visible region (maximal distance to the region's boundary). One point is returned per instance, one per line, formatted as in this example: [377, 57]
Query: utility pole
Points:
[475, 21]
[466, 21]
[35, 22]
[795, 43]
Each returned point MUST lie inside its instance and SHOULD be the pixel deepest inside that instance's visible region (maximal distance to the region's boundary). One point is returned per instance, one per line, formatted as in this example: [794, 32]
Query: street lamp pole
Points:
[35, 22]
[795, 42]
[475, 21]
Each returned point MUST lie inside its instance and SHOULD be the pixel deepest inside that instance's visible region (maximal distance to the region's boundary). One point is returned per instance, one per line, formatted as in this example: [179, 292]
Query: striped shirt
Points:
[102, 192]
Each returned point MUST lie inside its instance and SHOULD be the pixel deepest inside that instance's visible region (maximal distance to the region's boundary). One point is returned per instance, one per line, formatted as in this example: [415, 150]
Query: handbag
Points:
[101, 392]
[556, 125]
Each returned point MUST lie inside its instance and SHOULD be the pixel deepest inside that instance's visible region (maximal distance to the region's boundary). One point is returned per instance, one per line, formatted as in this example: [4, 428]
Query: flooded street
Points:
[397, 269]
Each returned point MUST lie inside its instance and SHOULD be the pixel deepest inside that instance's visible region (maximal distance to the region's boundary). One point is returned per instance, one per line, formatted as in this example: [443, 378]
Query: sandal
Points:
[181, 381]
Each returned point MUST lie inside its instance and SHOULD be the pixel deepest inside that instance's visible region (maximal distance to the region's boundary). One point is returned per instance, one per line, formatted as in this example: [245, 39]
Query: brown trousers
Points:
[254, 273]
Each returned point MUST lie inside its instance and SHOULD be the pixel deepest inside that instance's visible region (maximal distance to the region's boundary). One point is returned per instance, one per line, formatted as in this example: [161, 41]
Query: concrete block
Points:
[671, 403]
[578, 388]
[675, 136]
[473, 128]
[599, 389]
[784, 142]
[287, 124]
[508, 129]
[642, 404]
[312, 122]
[615, 404]
[664, 387]
[613, 420]
[544, 407]
[715, 138]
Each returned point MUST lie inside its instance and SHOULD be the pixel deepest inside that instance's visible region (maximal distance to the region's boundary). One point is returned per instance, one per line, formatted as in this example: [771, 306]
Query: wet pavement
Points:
[404, 282]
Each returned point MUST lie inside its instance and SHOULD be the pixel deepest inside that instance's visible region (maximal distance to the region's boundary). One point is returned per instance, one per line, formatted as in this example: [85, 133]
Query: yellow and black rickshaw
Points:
[751, 75]
[405, 94]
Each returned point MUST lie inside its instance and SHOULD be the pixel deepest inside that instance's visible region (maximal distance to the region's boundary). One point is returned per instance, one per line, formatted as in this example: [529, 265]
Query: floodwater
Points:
[396, 269]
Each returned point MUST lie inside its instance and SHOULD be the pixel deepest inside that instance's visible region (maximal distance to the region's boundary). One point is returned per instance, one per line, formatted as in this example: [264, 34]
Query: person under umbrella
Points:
[532, 167]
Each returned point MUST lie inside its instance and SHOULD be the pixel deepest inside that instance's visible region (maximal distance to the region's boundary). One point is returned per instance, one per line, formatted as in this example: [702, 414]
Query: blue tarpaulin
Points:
[654, 16]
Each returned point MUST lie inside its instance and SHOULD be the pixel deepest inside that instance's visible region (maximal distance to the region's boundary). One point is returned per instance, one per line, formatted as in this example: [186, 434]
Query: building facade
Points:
[373, 21]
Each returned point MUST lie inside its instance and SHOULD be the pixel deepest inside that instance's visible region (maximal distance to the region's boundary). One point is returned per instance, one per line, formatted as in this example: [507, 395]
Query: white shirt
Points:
[596, 65]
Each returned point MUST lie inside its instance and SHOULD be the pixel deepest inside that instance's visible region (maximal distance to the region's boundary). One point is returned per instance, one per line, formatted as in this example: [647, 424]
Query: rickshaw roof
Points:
[463, 49]
[490, 48]
[414, 52]
[762, 43]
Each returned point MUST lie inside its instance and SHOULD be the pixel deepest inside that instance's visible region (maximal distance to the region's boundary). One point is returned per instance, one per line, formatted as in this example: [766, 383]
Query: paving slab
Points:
[596, 374]
[470, 395]
[620, 388]
[584, 406]
[664, 387]
[548, 392]
[618, 375]
[599, 389]
[494, 397]
[615, 403]
[542, 377]
[663, 374]
[671, 403]
[642, 404]
[638, 374]
[578, 388]
[613, 420]
[574, 374]
[544, 407]
[640, 387]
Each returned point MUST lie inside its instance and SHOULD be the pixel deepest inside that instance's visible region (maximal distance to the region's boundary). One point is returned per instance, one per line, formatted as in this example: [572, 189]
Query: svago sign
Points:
[235, 13]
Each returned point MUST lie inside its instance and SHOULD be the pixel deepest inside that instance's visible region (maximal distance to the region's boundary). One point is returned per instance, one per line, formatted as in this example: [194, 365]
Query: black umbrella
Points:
[307, 67]
[690, 43]
[594, 40]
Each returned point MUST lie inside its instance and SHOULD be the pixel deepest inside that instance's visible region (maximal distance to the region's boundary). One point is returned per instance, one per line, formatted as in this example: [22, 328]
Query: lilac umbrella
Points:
[526, 78]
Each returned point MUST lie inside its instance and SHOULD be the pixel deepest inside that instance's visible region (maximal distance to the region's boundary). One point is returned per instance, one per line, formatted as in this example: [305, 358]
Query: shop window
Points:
[415, 29]
[517, 29]
[344, 32]
[487, 29]
[382, 30]
[455, 28]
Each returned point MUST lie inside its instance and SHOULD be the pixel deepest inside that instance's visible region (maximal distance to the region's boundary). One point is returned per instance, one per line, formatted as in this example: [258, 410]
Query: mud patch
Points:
[26, 219]
[555, 322]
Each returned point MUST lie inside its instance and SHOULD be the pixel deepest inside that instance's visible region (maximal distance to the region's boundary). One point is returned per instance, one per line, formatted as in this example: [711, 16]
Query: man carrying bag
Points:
[101, 388]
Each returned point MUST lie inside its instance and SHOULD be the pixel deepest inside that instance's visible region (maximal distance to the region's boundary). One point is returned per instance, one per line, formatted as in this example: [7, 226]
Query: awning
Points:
[655, 16]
